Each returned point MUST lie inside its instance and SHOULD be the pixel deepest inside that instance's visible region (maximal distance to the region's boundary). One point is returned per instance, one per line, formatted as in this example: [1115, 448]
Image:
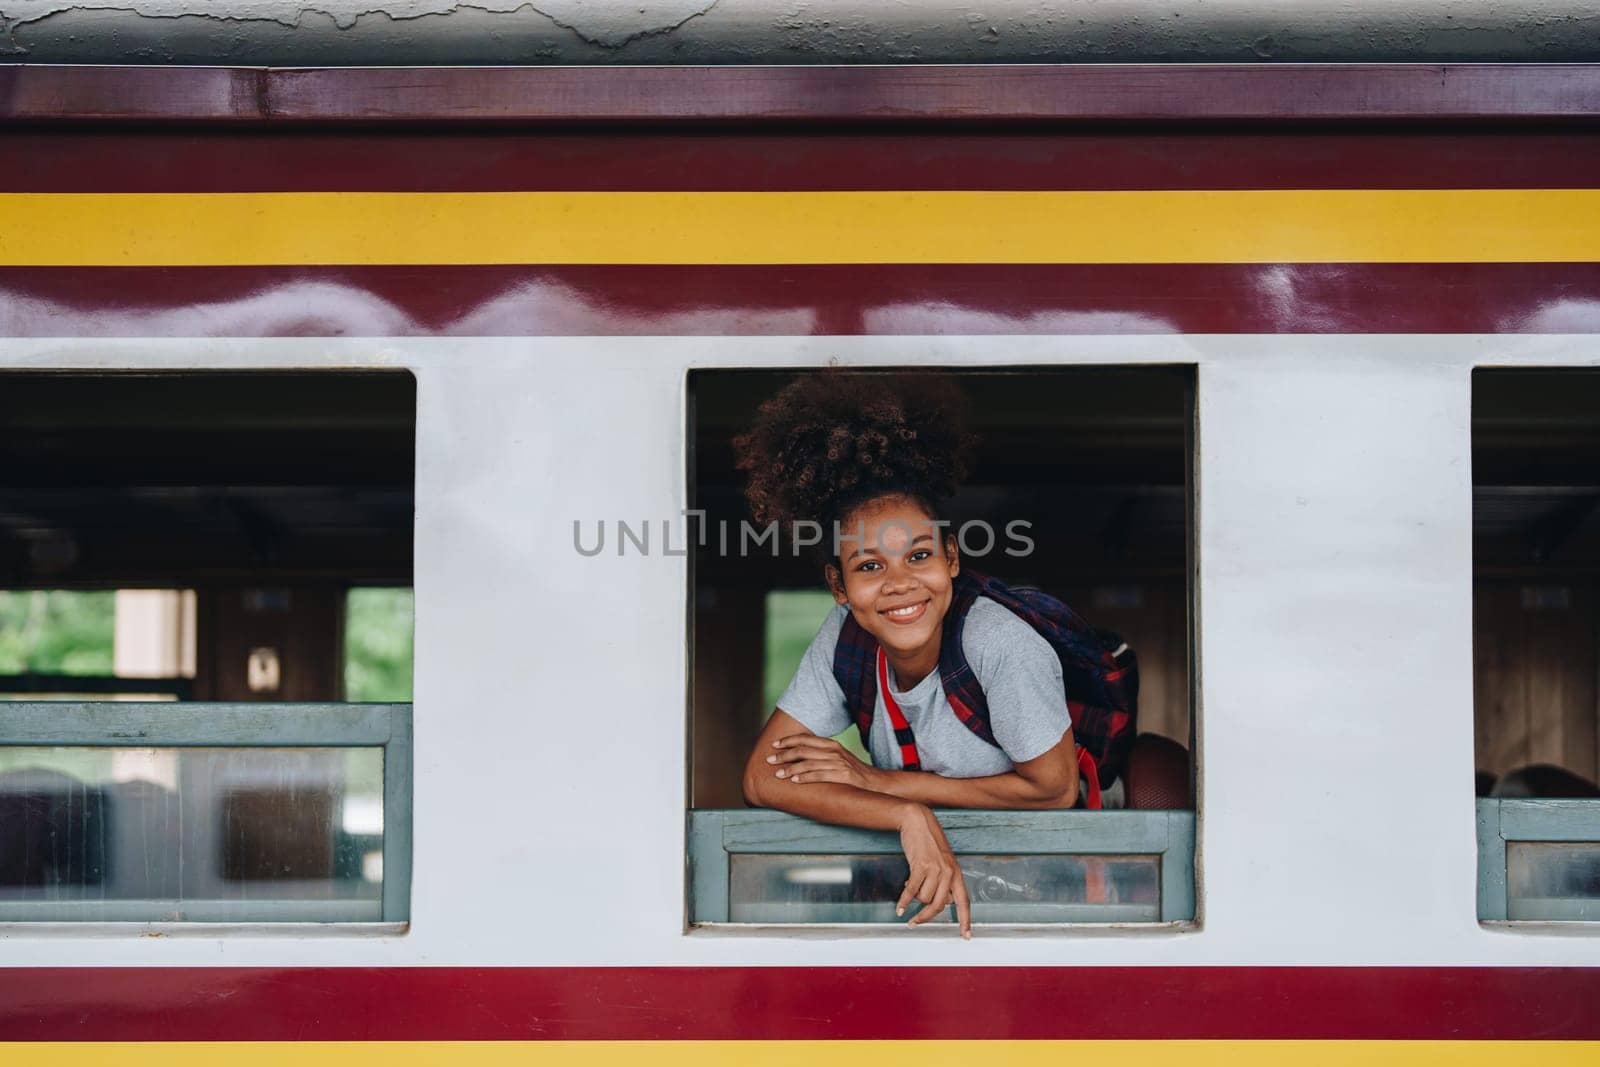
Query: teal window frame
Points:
[126, 724]
[716, 835]
[1504, 820]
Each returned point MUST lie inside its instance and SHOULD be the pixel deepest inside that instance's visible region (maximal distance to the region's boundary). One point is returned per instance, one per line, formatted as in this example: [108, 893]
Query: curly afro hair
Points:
[829, 442]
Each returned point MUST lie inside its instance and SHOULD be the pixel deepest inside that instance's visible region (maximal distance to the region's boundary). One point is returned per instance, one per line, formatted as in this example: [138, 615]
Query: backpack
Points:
[1099, 671]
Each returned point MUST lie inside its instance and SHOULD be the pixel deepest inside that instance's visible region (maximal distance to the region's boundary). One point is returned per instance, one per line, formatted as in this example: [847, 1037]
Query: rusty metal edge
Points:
[1122, 93]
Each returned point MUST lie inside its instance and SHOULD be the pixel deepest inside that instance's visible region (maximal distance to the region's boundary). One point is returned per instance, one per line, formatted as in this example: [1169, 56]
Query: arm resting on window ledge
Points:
[797, 761]
[840, 802]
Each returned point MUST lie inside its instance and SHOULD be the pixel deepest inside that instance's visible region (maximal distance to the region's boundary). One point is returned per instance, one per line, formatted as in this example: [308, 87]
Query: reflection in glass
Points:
[1008, 889]
[1552, 880]
[200, 834]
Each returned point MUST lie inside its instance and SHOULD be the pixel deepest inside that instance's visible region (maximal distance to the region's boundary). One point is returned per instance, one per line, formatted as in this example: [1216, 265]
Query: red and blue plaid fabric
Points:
[1099, 670]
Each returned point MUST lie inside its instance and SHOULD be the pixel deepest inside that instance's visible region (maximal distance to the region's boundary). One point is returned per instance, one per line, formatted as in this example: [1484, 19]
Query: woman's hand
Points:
[936, 878]
[805, 758]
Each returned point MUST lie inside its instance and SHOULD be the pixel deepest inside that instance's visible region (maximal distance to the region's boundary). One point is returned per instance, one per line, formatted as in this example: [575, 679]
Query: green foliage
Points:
[57, 631]
[793, 618]
[378, 645]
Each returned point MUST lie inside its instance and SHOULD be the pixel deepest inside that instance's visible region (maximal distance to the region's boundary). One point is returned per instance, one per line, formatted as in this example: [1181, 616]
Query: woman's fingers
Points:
[919, 887]
[803, 742]
[907, 895]
[963, 907]
[948, 887]
[809, 768]
[927, 891]
[938, 900]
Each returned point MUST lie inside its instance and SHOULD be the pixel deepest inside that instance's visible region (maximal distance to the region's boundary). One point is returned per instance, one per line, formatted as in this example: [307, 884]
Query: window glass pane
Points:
[1552, 880]
[1007, 889]
[203, 834]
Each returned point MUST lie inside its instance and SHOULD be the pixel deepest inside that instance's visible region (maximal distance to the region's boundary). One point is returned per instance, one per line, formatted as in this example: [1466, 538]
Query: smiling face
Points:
[894, 574]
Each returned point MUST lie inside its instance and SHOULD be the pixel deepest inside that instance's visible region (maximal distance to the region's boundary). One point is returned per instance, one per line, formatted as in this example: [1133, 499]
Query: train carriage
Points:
[1288, 371]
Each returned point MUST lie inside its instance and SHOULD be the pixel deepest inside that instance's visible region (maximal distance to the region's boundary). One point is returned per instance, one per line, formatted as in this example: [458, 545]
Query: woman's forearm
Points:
[840, 805]
[1010, 791]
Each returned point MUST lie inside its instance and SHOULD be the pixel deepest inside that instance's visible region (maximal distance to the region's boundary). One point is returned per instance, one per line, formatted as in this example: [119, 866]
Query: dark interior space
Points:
[269, 494]
[1536, 580]
[133, 479]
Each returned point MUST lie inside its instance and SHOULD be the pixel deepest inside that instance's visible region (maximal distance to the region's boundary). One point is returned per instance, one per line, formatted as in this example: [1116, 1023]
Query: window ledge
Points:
[190, 930]
[736, 885]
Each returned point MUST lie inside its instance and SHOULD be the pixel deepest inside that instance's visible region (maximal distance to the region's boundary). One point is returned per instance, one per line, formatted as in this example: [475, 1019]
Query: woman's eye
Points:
[921, 554]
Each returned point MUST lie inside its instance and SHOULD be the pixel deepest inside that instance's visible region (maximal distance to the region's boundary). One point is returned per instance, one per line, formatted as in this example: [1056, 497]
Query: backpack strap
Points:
[961, 686]
[1090, 773]
[903, 737]
[854, 663]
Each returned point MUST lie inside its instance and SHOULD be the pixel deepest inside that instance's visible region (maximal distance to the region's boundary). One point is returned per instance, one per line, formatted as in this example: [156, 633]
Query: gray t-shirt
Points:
[1020, 675]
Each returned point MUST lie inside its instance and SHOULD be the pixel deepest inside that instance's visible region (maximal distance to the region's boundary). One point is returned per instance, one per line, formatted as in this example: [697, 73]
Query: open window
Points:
[1094, 463]
[205, 646]
[1536, 629]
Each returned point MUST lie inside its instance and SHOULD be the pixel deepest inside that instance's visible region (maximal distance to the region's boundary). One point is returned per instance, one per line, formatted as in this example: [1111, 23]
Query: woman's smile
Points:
[906, 615]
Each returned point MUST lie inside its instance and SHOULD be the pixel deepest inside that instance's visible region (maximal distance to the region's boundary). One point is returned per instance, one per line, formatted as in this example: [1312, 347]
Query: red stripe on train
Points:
[954, 1003]
[468, 161]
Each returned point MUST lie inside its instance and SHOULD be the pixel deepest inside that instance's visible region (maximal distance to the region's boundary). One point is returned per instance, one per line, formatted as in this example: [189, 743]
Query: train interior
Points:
[223, 538]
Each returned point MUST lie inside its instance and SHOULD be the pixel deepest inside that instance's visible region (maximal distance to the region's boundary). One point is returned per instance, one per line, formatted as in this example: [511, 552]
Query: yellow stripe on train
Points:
[1184, 226]
[800, 1053]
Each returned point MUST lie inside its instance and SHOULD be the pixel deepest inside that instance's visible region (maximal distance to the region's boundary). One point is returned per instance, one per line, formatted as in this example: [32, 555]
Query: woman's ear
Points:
[835, 581]
[952, 554]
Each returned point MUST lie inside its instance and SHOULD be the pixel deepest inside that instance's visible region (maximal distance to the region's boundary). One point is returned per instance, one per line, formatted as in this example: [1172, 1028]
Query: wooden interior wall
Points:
[1152, 616]
[1535, 674]
[730, 647]
[304, 625]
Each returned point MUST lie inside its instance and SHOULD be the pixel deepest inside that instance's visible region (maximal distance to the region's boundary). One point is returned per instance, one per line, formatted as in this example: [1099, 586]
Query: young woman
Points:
[870, 458]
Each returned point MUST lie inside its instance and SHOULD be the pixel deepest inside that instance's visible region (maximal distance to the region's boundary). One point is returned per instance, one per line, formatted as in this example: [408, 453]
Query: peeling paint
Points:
[421, 32]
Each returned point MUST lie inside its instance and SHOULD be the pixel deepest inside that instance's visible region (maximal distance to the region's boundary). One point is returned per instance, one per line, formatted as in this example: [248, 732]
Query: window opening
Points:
[1094, 463]
[174, 546]
[1536, 630]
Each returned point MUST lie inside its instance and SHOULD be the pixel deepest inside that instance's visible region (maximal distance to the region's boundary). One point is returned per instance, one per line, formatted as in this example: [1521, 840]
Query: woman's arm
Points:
[1047, 781]
[842, 803]
[935, 875]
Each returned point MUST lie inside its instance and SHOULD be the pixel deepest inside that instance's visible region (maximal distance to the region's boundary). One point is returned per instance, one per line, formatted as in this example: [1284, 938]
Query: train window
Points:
[127, 644]
[205, 646]
[1536, 628]
[1078, 488]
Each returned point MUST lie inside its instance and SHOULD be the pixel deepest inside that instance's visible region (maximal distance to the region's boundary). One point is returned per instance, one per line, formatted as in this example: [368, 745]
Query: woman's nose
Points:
[899, 578]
